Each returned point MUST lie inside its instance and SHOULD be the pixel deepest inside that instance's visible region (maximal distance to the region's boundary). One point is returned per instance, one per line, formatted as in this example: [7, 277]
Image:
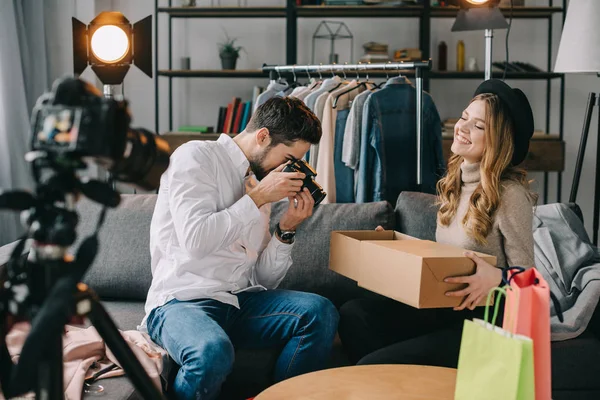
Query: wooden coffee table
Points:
[370, 382]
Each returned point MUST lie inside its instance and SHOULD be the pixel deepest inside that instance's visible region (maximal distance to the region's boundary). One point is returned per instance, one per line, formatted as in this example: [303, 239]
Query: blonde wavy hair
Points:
[495, 168]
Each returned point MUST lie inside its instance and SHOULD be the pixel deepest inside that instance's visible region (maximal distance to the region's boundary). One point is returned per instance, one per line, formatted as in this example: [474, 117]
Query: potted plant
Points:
[229, 52]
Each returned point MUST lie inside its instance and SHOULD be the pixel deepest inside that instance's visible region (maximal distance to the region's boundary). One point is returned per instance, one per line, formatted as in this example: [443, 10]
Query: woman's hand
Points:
[485, 278]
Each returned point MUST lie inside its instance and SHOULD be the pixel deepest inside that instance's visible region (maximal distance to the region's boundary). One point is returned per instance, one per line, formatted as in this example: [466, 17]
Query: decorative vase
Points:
[228, 60]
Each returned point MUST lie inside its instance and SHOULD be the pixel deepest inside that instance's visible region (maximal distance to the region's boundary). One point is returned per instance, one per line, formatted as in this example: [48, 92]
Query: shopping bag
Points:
[494, 364]
[530, 294]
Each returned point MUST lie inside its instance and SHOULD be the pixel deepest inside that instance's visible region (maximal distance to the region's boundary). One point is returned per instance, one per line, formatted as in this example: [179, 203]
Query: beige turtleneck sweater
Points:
[511, 237]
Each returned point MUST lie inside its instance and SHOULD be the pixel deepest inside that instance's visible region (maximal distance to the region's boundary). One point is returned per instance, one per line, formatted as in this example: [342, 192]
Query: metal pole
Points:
[582, 145]
[170, 27]
[291, 28]
[489, 35]
[597, 187]
[419, 111]
[349, 67]
[109, 91]
[156, 96]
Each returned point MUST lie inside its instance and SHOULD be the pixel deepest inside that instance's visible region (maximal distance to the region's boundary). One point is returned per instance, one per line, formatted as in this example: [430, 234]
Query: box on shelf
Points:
[401, 267]
[407, 55]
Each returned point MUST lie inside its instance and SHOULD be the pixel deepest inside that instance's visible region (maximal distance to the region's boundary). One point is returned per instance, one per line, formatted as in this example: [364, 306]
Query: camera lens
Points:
[145, 158]
[315, 190]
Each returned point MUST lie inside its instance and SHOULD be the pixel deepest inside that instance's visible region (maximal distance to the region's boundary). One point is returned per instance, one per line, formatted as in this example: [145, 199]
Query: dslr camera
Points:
[309, 182]
[74, 123]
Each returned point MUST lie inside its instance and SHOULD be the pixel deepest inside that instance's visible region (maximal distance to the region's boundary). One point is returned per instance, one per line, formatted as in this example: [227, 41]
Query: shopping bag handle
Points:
[554, 299]
[512, 316]
[486, 315]
[505, 271]
[519, 270]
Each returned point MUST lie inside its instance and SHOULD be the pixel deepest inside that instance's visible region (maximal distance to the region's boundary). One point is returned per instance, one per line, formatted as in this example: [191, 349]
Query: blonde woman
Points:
[486, 206]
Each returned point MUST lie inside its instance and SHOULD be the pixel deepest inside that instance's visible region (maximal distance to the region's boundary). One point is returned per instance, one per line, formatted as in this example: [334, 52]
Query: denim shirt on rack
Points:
[388, 161]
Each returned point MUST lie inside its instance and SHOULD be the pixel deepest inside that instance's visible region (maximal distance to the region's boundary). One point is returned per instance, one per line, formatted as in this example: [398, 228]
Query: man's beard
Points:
[256, 165]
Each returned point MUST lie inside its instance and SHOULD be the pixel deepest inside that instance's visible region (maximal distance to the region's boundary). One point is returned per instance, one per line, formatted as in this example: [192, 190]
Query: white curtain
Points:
[23, 78]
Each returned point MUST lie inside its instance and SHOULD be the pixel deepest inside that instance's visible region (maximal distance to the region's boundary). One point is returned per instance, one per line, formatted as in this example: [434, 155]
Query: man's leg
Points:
[192, 335]
[304, 323]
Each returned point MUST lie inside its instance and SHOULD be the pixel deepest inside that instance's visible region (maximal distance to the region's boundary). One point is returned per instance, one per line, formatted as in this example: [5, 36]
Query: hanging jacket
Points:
[388, 159]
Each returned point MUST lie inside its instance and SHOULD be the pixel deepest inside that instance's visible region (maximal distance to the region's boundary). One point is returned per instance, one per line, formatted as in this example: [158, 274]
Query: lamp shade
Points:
[579, 49]
[479, 19]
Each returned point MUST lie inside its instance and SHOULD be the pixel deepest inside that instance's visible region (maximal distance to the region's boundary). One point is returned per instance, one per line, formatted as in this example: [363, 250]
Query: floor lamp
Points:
[481, 15]
[579, 52]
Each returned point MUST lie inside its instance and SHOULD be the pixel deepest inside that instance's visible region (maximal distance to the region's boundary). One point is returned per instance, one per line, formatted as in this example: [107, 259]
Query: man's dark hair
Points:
[288, 120]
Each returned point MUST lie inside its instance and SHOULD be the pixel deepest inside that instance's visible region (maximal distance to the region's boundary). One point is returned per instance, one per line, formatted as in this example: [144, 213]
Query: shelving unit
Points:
[424, 13]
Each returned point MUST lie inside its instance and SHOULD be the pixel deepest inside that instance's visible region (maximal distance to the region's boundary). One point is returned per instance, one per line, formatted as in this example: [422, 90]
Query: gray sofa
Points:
[121, 276]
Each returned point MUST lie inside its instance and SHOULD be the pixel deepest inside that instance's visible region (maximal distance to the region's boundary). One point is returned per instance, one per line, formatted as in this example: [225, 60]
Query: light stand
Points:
[483, 18]
[489, 35]
[579, 53]
[593, 100]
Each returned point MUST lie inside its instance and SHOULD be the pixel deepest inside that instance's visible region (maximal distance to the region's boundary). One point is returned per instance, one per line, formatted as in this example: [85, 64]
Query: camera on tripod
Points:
[72, 126]
[74, 122]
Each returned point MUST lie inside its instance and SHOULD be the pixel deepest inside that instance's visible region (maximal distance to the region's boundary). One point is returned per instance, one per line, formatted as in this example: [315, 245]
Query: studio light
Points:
[110, 44]
[481, 15]
[478, 2]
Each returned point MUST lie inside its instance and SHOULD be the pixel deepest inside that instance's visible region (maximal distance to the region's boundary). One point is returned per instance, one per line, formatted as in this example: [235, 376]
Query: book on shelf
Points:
[247, 113]
[238, 118]
[227, 121]
[221, 120]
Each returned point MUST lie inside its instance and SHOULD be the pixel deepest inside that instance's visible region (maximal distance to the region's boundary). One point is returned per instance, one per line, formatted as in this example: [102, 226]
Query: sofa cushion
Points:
[310, 269]
[576, 363]
[127, 315]
[121, 269]
[416, 215]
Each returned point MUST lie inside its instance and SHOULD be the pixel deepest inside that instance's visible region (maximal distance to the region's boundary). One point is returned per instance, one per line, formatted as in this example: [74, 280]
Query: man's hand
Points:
[300, 208]
[485, 278]
[276, 185]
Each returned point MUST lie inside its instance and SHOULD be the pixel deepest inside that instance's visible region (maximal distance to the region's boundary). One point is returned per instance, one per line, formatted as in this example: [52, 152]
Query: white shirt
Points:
[207, 237]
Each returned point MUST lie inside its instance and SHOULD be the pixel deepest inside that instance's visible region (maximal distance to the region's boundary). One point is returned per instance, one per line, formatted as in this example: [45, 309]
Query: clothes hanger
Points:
[280, 80]
[332, 77]
[313, 82]
[360, 84]
[295, 82]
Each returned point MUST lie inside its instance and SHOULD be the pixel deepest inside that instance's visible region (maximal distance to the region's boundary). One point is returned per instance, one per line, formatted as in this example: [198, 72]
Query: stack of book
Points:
[234, 117]
[375, 53]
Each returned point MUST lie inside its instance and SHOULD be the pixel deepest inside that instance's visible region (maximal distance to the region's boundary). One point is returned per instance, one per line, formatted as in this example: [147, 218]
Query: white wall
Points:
[196, 101]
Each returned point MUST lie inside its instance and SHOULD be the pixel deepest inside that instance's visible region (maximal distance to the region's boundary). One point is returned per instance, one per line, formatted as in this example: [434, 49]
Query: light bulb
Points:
[110, 44]
[478, 2]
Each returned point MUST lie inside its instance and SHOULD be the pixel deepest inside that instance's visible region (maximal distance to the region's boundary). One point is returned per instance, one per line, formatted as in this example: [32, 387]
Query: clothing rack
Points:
[417, 66]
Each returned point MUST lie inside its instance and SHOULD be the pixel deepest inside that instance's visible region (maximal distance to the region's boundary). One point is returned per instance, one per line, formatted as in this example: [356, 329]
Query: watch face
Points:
[287, 236]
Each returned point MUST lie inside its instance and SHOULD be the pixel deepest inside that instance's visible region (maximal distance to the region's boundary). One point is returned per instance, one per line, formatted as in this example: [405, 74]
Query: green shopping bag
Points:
[494, 363]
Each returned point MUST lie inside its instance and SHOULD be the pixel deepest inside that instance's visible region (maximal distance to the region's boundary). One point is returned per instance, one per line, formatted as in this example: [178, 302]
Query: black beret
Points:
[519, 109]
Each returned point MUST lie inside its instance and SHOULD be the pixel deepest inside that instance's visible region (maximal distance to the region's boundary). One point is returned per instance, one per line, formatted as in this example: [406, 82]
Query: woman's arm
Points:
[515, 221]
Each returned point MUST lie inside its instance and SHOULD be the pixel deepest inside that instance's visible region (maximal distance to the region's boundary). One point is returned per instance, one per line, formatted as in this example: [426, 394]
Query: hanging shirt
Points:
[326, 86]
[271, 91]
[325, 165]
[208, 240]
[351, 143]
[389, 117]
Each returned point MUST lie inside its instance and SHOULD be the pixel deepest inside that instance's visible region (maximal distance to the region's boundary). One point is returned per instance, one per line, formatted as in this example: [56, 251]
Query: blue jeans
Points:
[201, 335]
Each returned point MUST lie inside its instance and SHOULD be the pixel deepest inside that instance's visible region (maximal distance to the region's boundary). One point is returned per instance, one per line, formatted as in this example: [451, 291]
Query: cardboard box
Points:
[401, 267]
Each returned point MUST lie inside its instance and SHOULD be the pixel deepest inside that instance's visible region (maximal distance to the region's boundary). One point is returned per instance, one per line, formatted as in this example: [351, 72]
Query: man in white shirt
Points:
[215, 264]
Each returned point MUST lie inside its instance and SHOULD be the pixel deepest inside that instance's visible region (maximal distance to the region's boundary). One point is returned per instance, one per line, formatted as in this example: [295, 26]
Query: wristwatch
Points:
[285, 236]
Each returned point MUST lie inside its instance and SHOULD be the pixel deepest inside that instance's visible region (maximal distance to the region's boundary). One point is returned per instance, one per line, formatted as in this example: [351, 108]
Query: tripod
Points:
[45, 288]
[593, 100]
